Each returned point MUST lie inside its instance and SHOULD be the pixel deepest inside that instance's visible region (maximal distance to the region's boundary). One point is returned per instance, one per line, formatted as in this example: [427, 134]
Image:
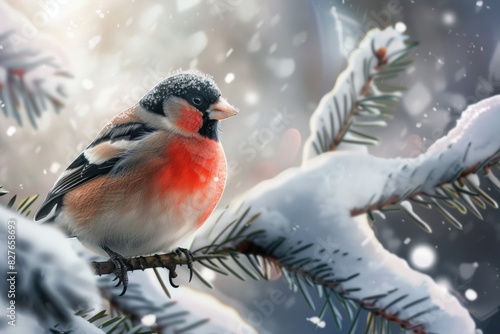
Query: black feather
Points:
[125, 131]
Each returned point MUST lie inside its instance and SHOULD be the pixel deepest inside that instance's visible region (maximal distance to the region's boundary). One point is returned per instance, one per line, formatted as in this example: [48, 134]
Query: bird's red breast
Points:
[193, 168]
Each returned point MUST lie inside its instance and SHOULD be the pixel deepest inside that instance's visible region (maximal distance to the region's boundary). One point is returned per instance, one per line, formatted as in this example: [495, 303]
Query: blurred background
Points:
[274, 61]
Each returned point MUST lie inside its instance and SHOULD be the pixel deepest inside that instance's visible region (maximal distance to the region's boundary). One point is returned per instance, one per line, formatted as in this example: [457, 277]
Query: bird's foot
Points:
[121, 267]
[171, 269]
[142, 263]
[190, 258]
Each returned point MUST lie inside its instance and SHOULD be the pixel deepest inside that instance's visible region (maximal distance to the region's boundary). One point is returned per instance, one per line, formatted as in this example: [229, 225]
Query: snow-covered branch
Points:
[361, 93]
[446, 173]
[48, 281]
[306, 213]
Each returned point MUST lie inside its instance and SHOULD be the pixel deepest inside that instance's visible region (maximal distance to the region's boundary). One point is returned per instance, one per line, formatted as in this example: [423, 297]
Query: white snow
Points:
[471, 295]
[317, 199]
[317, 321]
[229, 78]
[423, 256]
[251, 98]
[400, 26]
[11, 130]
[148, 319]
[208, 274]
[55, 167]
[44, 258]
[449, 18]
[281, 67]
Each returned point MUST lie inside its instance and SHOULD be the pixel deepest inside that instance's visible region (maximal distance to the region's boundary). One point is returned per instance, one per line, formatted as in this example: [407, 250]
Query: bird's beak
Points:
[221, 110]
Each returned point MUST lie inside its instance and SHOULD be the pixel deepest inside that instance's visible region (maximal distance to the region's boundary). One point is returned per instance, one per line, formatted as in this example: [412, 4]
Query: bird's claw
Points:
[142, 262]
[171, 275]
[121, 267]
[171, 270]
[190, 258]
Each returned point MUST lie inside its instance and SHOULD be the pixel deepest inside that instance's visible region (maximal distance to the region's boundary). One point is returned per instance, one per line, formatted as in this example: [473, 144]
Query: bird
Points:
[150, 178]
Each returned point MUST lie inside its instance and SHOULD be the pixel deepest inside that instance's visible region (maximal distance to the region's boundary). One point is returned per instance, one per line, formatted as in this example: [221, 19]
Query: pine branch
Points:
[380, 55]
[334, 286]
[24, 206]
[361, 94]
[453, 193]
[35, 79]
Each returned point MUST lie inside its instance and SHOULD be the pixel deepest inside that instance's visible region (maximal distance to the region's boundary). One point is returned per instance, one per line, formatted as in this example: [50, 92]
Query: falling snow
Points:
[317, 321]
[11, 131]
[423, 257]
[251, 98]
[55, 167]
[229, 78]
[471, 295]
[148, 320]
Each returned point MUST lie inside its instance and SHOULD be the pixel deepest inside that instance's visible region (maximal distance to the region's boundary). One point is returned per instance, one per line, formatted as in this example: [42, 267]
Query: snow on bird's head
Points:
[182, 84]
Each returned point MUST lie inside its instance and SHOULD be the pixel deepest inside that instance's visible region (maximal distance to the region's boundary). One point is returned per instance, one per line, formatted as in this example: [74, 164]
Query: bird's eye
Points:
[197, 100]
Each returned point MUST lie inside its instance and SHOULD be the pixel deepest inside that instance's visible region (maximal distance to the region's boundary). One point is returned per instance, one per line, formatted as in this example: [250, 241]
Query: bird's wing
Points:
[100, 157]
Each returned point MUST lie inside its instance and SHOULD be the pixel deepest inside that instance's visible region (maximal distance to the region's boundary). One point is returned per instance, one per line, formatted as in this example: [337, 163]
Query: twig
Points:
[380, 54]
[396, 199]
[248, 247]
[169, 260]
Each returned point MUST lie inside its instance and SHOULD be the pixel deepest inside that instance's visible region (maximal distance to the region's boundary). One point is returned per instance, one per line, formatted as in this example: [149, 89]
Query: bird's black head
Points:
[199, 90]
